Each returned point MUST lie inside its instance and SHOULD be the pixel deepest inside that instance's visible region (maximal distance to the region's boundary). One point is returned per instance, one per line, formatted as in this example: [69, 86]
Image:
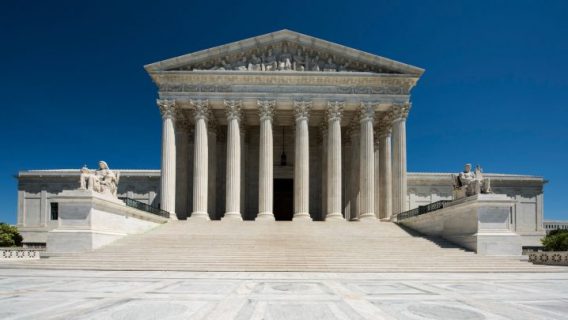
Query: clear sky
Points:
[495, 91]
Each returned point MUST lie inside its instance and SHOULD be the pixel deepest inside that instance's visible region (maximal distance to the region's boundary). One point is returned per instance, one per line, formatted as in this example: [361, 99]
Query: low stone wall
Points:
[19, 253]
[479, 223]
[549, 257]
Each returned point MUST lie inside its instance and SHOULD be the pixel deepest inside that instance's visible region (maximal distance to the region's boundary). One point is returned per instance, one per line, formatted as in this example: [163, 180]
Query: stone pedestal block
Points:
[479, 223]
[89, 220]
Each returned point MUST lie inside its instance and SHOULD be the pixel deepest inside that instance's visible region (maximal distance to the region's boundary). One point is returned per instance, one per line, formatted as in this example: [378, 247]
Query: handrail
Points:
[145, 207]
[422, 209]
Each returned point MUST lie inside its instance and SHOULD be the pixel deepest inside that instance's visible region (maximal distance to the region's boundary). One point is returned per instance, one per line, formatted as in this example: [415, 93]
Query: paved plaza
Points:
[64, 294]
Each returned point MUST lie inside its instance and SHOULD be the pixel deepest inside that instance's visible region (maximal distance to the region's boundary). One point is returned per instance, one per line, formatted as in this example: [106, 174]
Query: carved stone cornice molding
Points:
[167, 108]
[400, 112]
[201, 109]
[343, 83]
[302, 110]
[366, 112]
[233, 110]
[266, 109]
[335, 110]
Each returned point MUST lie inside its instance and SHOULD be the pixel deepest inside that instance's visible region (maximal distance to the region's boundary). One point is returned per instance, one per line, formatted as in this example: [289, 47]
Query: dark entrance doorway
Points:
[283, 199]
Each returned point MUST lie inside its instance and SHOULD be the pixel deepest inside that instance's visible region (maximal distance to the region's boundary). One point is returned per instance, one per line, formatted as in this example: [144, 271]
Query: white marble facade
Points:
[231, 113]
[224, 108]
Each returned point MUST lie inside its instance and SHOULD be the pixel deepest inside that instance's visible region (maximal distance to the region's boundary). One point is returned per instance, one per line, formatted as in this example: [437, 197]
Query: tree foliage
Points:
[556, 240]
[9, 236]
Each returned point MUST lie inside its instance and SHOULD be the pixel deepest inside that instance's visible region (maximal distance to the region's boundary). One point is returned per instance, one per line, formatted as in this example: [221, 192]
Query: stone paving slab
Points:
[63, 294]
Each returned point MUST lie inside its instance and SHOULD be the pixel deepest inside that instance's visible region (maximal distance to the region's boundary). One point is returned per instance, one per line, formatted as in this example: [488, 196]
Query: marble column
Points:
[334, 113]
[242, 127]
[201, 161]
[367, 163]
[399, 202]
[212, 169]
[168, 169]
[385, 172]
[266, 162]
[302, 162]
[354, 187]
[377, 177]
[324, 168]
[233, 189]
[183, 130]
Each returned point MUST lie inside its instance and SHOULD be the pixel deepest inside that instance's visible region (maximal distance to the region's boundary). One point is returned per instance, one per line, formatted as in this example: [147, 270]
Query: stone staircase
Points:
[283, 246]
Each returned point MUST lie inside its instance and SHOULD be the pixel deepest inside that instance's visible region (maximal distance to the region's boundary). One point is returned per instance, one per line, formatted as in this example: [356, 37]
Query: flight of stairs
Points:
[283, 246]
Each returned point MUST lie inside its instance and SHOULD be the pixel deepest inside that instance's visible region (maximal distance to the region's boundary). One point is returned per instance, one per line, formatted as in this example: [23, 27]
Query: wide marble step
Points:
[283, 246]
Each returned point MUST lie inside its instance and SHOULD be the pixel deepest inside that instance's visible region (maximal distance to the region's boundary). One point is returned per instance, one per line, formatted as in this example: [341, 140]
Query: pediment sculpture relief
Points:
[284, 57]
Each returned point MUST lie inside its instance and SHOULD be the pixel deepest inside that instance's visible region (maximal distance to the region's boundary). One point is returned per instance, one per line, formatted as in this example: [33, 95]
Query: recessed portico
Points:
[340, 125]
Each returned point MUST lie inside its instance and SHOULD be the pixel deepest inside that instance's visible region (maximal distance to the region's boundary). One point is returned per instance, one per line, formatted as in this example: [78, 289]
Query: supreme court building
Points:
[283, 125]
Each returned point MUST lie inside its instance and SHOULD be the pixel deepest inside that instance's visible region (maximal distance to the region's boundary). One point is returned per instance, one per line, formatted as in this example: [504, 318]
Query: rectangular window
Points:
[54, 210]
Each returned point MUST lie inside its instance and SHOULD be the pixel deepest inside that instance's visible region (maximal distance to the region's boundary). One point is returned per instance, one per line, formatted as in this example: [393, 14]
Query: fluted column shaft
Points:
[233, 189]
[354, 187]
[399, 180]
[385, 172]
[367, 164]
[302, 162]
[201, 162]
[266, 162]
[334, 112]
[324, 168]
[168, 169]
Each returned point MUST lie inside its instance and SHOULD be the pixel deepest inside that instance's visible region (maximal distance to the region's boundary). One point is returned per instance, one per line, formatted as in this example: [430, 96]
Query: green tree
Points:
[9, 236]
[556, 240]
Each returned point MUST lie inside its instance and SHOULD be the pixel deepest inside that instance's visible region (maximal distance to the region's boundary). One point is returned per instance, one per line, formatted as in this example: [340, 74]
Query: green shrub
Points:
[9, 236]
[556, 240]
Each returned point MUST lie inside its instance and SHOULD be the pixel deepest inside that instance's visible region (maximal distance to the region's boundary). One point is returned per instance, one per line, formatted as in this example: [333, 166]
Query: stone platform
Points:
[300, 246]
[51, 294]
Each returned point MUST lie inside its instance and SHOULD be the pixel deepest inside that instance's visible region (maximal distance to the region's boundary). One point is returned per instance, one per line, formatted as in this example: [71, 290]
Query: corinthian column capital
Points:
[366, 111]
[400, 112]
[233, 110]
[266, 109]
[201, 109]
[167, 108]
[302, 109]
[335, 110]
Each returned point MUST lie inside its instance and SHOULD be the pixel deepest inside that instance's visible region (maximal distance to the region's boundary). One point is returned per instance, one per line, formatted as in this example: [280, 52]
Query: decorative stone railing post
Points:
[399, 114]
[334, 113]
[265, 174]
[201, 160]
[168, 170]
[385, 172]
[302, 162]
[233, 189]
[367, 163]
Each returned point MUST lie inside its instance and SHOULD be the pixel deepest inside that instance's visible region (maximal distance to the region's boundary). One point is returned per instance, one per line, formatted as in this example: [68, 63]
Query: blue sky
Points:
[495, 91]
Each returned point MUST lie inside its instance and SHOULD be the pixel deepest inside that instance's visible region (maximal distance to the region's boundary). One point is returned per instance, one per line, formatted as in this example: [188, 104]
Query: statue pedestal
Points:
[89, 220]
[479, 223]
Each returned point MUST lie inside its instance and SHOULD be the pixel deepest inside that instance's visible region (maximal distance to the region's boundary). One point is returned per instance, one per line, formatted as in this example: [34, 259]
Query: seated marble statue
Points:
[469, 183]
[102, 180]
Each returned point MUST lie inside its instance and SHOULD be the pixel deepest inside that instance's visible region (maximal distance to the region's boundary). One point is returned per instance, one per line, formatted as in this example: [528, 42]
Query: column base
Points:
[173, 216]
[199, 215]
[336, 216]
[265, 216]
[232, 216]
[301, 216]
[367, 217]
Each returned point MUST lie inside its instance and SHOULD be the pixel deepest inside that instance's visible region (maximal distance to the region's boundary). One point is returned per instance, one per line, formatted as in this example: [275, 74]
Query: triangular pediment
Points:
[284, 50]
